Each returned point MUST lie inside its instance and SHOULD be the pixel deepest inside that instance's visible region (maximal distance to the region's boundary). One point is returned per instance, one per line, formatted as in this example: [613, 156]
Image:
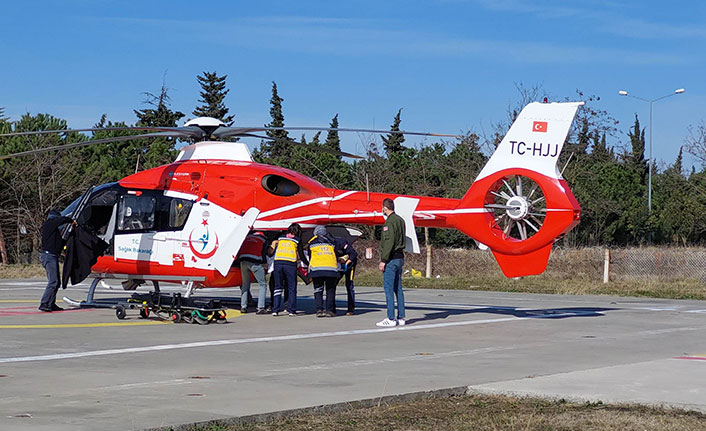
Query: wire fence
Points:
[635, 263]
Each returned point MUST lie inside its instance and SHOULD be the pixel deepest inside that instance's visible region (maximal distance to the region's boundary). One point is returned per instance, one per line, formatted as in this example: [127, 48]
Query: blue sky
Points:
[452, 65]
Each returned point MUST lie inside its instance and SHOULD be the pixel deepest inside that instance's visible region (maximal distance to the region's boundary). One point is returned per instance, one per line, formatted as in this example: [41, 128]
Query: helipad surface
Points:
[85, 369]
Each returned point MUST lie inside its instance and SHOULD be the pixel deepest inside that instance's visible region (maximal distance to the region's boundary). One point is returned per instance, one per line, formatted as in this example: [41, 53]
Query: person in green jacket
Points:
[392, 244]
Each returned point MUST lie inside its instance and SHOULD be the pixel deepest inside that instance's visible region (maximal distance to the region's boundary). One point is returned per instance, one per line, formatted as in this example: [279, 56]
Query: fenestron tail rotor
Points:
[518, 205]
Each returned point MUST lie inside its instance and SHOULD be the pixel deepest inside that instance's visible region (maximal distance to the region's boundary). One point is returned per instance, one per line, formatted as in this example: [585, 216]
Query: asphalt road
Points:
[85, 369]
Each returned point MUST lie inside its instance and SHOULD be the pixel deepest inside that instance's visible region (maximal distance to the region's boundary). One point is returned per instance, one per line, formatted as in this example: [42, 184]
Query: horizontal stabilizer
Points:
[405, 207]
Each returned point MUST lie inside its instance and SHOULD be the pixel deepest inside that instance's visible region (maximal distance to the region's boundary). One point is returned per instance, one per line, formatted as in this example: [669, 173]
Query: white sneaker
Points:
[387, 322]
[401, 322]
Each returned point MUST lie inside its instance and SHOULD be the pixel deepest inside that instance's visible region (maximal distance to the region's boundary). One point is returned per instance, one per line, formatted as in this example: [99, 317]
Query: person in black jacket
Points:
[347, 261]
[52, 244]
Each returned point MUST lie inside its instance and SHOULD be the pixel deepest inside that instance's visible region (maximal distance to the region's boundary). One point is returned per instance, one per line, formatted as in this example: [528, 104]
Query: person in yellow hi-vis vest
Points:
[323, 269]
[286, 252]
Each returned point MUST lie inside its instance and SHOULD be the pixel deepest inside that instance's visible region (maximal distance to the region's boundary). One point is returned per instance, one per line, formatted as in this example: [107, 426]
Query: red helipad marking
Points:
[697, 358]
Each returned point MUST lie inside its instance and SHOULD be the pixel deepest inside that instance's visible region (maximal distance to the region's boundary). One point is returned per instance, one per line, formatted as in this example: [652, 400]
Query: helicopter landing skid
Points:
[130, 280]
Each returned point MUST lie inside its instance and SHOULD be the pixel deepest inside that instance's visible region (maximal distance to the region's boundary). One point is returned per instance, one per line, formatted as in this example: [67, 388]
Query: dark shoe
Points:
[243, 310]
[261, 311]
[44, 309]
[320, 313]
[55, 307]
[330, 314]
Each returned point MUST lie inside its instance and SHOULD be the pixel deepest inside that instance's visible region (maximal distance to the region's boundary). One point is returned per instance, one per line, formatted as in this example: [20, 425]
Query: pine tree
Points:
[393, 143]
[599, 151]
[401, 158]
[278, 151]
[213, 93]
[582, 139]
[678, 167]
[636, 158]
[158, 151]
[334, 172]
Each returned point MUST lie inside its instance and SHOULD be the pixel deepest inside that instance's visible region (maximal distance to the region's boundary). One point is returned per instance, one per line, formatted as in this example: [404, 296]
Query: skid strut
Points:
[91, 302]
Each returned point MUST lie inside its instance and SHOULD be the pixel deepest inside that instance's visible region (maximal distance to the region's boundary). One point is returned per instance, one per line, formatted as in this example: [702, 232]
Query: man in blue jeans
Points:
[392, 243]
[52, 244]
[252, 257]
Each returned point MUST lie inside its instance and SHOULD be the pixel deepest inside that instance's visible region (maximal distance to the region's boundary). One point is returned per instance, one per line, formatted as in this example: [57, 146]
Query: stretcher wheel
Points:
[144, 313]
[220, 317]
[120, 312]
[198, 318]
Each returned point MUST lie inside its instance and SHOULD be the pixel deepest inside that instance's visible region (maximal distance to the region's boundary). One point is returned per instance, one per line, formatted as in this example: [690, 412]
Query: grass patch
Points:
[486, 413]
[34, 270]
[549, 282]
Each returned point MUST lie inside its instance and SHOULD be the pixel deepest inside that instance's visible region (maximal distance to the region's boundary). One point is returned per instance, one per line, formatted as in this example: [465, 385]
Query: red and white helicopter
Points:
[185, 221]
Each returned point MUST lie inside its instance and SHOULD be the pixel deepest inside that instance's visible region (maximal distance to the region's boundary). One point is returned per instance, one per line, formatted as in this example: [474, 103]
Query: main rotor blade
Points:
[87, 143]
[185, 129]
[394, 132]
[299, 144]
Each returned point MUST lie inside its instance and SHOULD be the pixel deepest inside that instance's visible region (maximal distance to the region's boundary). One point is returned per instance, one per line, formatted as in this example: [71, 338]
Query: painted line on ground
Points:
[4, 312]
[86, 325]
[163, 347]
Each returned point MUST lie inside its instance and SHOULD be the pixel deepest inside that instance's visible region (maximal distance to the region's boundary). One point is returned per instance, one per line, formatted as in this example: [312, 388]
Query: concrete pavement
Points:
[85, 369]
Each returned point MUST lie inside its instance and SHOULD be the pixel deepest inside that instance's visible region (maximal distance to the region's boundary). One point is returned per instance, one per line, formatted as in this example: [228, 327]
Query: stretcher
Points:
[173, 307]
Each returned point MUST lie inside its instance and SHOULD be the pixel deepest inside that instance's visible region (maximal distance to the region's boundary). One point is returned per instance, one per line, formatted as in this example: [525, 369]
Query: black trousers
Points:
[329, 284]
[350, 287]
[271, 285]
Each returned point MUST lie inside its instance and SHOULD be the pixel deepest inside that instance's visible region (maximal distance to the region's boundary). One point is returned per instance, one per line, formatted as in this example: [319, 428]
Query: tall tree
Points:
[31, 185]
[677, 167]
[334, 171]
[636, 157]
[393, 142]
[157, 151]
[599, 150]
[277, 151]
[213, 94]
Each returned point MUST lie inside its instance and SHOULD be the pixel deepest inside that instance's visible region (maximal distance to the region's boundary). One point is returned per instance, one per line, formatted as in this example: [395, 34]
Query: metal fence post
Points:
[606, 266]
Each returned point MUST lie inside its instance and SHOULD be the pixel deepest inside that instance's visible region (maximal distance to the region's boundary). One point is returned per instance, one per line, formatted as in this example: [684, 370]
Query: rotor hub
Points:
[519, 207]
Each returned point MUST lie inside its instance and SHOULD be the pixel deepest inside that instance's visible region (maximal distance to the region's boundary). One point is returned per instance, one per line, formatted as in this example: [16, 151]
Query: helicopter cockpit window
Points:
[179, 210]
[279, 186]
[136, 213]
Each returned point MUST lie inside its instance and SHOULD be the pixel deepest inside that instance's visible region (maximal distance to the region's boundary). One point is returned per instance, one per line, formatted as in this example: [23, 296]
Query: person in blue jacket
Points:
[286, 252]
[323, 270]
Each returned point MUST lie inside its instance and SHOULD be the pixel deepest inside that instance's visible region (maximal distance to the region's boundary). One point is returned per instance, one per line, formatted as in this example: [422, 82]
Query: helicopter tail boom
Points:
[519, 204]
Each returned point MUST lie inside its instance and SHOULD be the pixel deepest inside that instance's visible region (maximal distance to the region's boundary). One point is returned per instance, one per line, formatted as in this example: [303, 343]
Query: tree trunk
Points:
[3, 250]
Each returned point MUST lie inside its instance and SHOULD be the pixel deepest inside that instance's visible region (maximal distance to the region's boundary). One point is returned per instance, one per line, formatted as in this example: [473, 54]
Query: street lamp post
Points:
[649, 170]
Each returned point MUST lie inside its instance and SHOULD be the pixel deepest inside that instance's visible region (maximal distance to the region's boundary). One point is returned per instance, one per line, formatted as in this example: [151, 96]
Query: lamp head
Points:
[623, 93]
[679, 91]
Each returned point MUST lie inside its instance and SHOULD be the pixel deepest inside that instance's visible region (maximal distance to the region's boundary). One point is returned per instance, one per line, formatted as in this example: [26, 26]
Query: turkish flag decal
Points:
[539, 126]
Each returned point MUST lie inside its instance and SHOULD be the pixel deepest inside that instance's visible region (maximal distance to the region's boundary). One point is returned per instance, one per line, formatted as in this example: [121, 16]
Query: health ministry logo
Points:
[202, 242]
